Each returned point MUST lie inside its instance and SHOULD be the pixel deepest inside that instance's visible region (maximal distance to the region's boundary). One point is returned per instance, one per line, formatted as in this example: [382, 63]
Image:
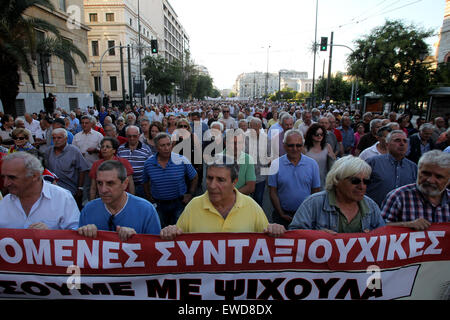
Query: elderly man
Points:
[391, 170]
[420, 142]
[222, 208]
[348, 135]
[230, 122]
[343, 207]
[378, 148]
[305, 122]
[136, 153]
[31, 124]
[293, 177]
[164, 177]
[111, 131]
[67, 162]
[117, 210]
[330, 136]
[88, 140]
[427, 200]
[370, 138]
[31, 202]
[287, 123]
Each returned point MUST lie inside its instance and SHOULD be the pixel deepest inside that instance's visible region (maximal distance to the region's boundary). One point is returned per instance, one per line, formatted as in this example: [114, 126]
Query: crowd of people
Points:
[207, 167]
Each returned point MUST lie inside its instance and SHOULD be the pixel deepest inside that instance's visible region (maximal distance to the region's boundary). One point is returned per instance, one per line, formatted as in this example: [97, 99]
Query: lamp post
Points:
[267, 72]
[314, 65]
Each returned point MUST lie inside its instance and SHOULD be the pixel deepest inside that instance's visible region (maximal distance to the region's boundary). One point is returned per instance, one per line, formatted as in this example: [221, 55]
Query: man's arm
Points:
[248, 188]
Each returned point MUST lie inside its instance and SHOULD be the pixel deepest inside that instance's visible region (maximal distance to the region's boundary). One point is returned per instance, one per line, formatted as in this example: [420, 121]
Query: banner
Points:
[387, 263]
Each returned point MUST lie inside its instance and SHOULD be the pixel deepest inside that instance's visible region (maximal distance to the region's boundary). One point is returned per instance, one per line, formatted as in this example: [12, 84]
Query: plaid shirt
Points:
[407, 203]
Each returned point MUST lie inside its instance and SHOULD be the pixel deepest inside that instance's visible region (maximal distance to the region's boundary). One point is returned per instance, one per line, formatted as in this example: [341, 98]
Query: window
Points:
[113, 83]
[94, 48]
[73, 103]
[131, 22]
[93, 17]
[110, 17]
[68, 74]
[97, 83]
[62, 5]
[111, 43]
[20, 107]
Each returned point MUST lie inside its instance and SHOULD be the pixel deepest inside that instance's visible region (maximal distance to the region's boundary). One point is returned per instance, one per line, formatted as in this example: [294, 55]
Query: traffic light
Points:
[323, 43]
[154, 46]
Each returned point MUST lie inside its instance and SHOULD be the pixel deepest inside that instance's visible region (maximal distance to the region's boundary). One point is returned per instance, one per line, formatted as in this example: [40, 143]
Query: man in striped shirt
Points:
[136, 153]
[165, 176]
[427, 201]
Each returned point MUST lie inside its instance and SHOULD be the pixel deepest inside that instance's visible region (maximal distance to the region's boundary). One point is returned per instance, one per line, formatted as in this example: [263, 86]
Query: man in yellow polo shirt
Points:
[222, 208]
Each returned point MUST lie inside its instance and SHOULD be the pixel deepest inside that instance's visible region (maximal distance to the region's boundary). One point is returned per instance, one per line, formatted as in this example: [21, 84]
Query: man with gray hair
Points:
[293, 177]
[33, 203]
[426, 201]
[222, 208]
[420, 142]
[287, 123]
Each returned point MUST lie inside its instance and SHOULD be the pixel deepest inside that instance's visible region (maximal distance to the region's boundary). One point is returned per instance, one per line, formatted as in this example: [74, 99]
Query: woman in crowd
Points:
[316, 147]
[343, 207]
[171, 124]
[108, 149]
[21, 138]
[273, 120]
[155, 128]
[359, 132]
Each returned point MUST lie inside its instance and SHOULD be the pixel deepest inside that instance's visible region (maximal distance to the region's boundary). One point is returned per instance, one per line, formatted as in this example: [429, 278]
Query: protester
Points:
[116, 210]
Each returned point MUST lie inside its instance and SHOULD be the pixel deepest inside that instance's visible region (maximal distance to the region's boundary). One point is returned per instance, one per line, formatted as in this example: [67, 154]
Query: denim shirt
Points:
[316, 213]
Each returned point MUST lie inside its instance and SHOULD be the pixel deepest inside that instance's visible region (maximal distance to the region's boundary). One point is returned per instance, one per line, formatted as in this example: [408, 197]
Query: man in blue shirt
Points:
[348, 135]
[293, 177]
[165, 175]
[392, 170]
[117, 210]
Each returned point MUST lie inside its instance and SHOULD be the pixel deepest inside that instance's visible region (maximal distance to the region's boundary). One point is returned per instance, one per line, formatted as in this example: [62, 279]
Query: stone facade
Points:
[444, 41]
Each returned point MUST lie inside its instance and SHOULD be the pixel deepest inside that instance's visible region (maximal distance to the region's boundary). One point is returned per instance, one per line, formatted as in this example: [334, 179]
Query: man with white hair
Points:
[420, 142]
[31, 124]
[426, 201]
[31, 202]
[343, 207]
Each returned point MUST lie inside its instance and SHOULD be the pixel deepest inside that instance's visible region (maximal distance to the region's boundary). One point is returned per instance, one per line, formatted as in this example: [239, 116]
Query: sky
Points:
[236, 36]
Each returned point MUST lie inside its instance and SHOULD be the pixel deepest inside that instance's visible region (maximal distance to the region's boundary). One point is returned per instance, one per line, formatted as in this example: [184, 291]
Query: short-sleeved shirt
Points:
[246, 169]
[407, 203]
[136, 158]
[137, 213]
[168, 183]
[55, 207]
[125, 162]
[389, 174]
[294, 182]
[85, 141]
[67, 166]
[200, 215]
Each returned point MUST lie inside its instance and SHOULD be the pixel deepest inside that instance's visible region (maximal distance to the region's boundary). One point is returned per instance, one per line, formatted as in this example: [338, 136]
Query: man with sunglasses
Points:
[391, 170]
[116, 210]
[343, 206]
[293, 177]
[230, 122]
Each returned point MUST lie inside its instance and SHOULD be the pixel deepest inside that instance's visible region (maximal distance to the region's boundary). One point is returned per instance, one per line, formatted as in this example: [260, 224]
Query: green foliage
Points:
[389, 60]
[160, 75]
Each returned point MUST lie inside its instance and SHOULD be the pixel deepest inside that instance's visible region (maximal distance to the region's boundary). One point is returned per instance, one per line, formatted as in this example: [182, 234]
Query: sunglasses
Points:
[225, 111]
[357, 181]
[298, 145]
[19, 138]
[111, 224]
[183, 126]
[318, 134]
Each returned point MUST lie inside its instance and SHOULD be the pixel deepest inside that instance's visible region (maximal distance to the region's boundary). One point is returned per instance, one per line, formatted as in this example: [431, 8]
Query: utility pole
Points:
[124, 100]
[141, 87]
[314, 66]
[130, 83]
[329, 71]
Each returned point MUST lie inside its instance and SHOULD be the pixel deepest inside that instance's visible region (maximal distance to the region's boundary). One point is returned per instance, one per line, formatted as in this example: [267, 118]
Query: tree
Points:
[20, 47]
[389, 59]
[339, 90]
[161, 76]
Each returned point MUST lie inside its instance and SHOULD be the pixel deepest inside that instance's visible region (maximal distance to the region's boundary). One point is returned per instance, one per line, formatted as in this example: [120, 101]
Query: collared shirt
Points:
[55, 207]
[389, 174]
[348, 137]
[136, 158]
[344, 226]
[246, 169]
[168, 183]
[85, 141]
[67, 166]
[34, 126]
[200, 215]
[294, 182]
[370, 152]
[407, 203]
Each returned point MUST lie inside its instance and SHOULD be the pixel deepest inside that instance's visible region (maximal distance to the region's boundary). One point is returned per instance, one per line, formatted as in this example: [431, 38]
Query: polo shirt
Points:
[136, 158]
[389, 174]
[67, 166]
[137, 213]
[55, 207]
[246, 169]
[168, 183]
[84, 141]
[294, 183]
[200, 215]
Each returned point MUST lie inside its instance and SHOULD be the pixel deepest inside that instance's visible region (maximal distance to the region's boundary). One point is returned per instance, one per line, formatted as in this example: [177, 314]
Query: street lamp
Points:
[267, 73]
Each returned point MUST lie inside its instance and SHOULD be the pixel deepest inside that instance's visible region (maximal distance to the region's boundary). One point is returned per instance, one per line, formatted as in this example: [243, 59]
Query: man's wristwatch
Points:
[80, 188]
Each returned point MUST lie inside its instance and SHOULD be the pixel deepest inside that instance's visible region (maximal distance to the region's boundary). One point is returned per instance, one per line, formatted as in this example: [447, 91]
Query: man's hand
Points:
[286, 217]
[329, 231]
[170, 232]
[418, 224]
[38, 226]
[275, 230]
[89, 230]
[125, 233]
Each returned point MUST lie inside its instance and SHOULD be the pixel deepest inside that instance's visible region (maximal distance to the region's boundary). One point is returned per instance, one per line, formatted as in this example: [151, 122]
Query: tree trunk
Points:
[9, 84]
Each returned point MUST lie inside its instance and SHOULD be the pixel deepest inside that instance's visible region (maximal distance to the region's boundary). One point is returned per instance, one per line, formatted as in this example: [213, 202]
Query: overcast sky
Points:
[231, 37]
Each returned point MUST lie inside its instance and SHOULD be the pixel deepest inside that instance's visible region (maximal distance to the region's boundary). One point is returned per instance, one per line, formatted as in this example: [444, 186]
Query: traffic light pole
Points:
[314, 66]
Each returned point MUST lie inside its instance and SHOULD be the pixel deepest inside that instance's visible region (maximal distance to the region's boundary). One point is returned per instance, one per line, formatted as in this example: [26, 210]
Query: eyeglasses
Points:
[357, 181]
[111, 224]
[132, 135]
[318, 134]
[183, 126]
[225, 111]
[106, 147]
[298, 145]
[20, 138]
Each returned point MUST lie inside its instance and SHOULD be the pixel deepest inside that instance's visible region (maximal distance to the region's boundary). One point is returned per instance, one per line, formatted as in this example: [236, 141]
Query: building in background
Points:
[71, 90]
[443, 54]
